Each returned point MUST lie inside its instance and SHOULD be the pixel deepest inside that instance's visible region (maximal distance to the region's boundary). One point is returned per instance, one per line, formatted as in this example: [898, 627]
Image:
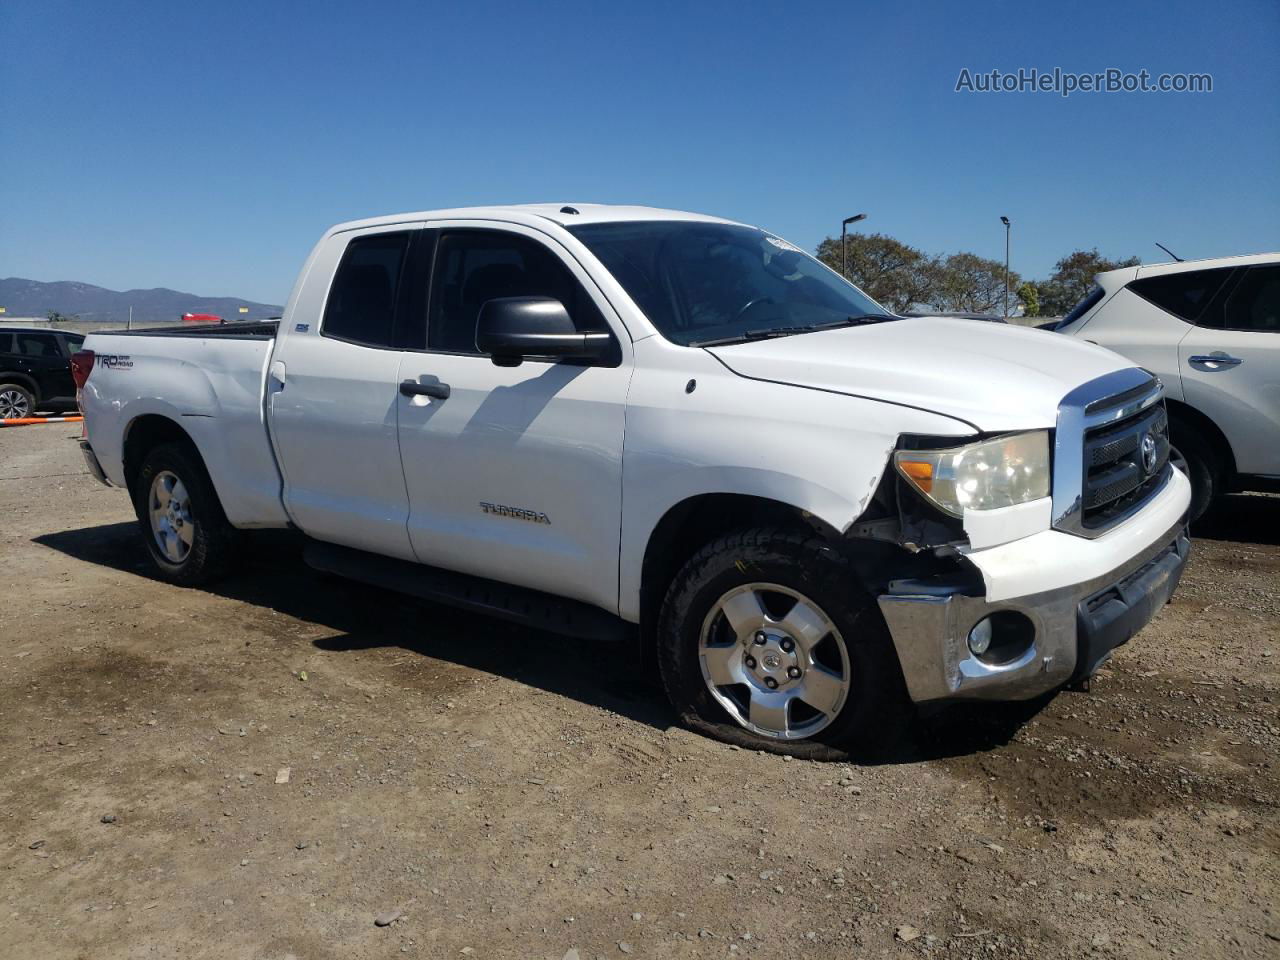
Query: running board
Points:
[533, 608]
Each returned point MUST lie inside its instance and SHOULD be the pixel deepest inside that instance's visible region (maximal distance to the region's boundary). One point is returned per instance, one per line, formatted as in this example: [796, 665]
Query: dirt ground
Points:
[516, 794]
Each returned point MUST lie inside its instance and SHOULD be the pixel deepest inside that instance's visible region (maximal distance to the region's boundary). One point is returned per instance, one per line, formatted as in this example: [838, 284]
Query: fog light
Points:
[980, 637]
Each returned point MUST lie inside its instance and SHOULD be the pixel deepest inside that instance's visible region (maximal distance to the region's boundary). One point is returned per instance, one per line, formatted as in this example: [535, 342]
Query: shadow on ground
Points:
[1242, 518]
[273, 577]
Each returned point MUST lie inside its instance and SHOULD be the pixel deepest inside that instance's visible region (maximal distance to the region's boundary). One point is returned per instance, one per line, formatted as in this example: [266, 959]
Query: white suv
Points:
[1210, 329]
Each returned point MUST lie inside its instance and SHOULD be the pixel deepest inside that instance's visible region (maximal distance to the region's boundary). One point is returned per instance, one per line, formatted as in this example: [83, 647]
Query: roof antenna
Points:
[568, 209]
[1169, 252]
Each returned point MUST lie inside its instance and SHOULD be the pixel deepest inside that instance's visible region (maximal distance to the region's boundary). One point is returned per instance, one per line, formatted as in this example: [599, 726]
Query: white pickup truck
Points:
[619, 420]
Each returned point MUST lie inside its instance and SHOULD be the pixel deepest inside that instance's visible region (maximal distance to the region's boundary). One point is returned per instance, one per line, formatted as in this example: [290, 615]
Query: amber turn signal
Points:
[921, 473]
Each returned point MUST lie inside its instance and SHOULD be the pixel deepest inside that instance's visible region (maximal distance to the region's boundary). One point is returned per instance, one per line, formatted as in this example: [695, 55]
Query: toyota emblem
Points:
[1148, 448]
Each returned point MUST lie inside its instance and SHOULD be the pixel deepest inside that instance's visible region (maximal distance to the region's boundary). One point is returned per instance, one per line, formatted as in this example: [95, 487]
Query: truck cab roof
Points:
[563, 214]
[6, 328]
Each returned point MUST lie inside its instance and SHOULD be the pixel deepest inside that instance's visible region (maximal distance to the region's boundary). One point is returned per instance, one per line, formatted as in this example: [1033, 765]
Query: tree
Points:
[1073, 276]
[890, 272]
[1029, 295]
[969, 283]
[904, 278]
[55, 317]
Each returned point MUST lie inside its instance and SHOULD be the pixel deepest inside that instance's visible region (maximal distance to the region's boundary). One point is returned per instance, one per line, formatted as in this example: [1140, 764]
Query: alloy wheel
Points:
[13, 405]
[171, 522]
[775, 661]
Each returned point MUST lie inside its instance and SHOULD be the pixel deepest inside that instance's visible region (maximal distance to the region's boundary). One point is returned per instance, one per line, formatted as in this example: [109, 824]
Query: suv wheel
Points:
[16, 402]
[766, 640]
[1197, 460]
[183, 526]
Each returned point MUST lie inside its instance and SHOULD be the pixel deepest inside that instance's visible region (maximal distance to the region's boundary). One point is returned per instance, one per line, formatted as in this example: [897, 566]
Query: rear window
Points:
[362, 300]
[1186, 294]
[1255, 302]
[1091, 300]
[38, 345]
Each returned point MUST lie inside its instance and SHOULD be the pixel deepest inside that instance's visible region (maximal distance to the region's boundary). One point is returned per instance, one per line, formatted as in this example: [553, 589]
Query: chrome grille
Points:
[1111, 451]
[1118, 474]
[1110, 445]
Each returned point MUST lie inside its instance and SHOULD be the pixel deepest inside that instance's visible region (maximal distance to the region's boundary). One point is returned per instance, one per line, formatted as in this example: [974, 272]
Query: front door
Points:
[1230, 366]
[517, 475]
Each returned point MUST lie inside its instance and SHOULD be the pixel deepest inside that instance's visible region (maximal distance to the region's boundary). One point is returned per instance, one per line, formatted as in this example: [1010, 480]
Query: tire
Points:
[16, 401]
[1201, 465]
[193, 543]
[780, 570]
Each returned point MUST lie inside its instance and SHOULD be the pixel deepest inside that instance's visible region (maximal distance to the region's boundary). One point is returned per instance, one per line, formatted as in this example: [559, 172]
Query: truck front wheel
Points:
[766, 640]
[182, 523]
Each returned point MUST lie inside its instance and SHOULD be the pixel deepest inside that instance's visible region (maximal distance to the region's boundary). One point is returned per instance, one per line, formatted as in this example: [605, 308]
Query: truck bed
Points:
[211, 380]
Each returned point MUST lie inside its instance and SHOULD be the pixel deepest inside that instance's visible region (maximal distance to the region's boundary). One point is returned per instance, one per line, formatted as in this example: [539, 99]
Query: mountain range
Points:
[33, 298]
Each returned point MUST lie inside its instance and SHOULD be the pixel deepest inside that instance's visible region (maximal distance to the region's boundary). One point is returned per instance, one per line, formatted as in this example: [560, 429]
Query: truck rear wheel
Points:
[767, 641]
[181, 520]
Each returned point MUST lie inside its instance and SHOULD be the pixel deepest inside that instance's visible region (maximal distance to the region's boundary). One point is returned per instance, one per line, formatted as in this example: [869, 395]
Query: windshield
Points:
[702, 283]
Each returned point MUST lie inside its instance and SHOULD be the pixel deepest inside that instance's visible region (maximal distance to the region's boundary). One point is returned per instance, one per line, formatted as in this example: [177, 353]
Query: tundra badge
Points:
[515, 513]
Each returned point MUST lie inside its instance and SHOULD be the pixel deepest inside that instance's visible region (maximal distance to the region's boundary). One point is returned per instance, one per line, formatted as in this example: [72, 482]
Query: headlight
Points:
[981, 476]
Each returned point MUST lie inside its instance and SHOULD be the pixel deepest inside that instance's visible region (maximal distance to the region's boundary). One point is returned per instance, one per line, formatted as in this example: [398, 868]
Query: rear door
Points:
[517, 474]
[70, 343]
[13, 369]
[1147, 319]
[332, 387]
[40, 354]
[1230, 366]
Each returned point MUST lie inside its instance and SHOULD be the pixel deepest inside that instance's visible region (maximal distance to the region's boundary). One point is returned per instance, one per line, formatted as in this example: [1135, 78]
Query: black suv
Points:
[35, 370]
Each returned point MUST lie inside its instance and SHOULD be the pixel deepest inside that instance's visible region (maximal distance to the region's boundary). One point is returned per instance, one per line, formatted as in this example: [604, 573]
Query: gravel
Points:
[1155, 798]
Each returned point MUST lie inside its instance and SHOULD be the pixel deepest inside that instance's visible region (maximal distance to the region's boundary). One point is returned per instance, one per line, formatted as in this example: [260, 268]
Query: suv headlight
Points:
[980, 476]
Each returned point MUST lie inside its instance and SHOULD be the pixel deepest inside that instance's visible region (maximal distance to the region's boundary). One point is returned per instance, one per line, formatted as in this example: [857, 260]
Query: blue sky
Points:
[206, 146]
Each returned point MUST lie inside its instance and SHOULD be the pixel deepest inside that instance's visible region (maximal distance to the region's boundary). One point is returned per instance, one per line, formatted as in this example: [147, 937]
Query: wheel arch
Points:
[1189, 416]
[696, 521]
[146, 432]
[24, 381]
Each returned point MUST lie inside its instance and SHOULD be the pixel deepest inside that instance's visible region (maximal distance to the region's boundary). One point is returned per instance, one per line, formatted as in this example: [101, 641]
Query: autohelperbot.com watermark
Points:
[1065, 82]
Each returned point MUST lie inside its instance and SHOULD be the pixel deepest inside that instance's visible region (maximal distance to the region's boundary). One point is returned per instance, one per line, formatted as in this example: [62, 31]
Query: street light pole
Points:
[844, 244]
[1005, 221]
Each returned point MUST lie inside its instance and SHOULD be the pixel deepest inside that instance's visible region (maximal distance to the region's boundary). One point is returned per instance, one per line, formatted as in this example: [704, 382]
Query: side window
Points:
[41, 345]
[475, 266]
[6, 343]
[1255, 302]
[362, 300]
[73, 344]
[1185, 295]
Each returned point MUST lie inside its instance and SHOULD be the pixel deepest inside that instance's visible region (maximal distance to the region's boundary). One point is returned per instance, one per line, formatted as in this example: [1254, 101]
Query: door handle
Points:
[1215, 360]
[277, 374]
[411, 388]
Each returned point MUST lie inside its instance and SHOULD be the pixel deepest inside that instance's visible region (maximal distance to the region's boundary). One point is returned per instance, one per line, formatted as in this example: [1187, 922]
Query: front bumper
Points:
[1074, 627]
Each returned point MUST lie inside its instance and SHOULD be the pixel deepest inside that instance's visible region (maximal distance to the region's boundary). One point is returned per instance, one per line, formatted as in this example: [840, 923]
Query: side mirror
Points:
[512, 328]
